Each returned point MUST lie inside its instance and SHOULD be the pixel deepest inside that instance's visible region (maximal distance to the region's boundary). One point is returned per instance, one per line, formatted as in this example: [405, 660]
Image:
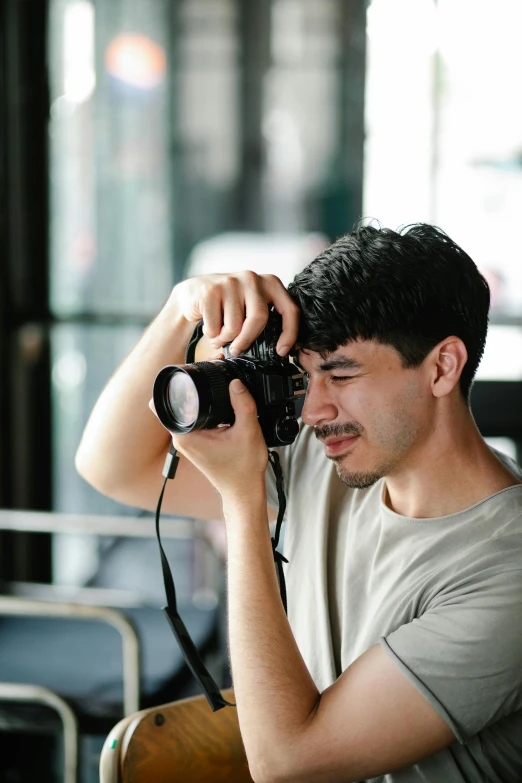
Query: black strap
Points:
[197, 334]
[187, 646]
[279, 559]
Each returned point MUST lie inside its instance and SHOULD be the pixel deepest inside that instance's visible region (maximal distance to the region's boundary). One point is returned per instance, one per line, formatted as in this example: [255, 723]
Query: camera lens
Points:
[194, 396]
[183, 399]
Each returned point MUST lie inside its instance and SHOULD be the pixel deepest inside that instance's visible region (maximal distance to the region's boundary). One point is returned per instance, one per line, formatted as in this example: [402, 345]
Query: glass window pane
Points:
[83, 360]
[444, 141]
[112, 223]
[399, 111]
[207, 146]
[301, 83]
[480, 177]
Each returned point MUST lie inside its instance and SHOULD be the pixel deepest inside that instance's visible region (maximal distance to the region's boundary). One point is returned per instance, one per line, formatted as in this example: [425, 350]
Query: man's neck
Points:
[451, 470]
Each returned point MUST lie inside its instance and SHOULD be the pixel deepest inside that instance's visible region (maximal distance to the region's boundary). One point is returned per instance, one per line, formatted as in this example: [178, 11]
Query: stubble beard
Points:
[353, 479]
[359, 480]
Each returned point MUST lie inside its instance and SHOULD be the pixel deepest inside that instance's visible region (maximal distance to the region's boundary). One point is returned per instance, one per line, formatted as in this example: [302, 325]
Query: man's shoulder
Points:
[509, 462]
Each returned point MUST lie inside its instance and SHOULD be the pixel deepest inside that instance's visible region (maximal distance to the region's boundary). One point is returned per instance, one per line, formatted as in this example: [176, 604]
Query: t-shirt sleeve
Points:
[464, 654]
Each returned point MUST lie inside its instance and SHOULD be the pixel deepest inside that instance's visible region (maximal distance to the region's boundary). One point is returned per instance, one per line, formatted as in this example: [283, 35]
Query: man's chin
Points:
[356, 479]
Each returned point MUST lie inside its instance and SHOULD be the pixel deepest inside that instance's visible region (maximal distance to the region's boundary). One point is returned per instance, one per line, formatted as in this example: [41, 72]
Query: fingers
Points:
[233, 312]
[261, 290]
[212, 313]
[242, 402]
[289, 311]
[234, 309]
[255, 318]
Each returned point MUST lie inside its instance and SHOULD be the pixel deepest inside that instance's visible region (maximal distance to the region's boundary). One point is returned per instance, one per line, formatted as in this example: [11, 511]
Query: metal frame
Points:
[47, 603]
[28, 607]
[54, 522]
[44, 600]
[36, 694]
[110, 757]
[127, 527]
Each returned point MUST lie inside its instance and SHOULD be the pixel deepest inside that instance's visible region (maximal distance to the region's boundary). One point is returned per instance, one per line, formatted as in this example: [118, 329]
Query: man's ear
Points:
[447, 360]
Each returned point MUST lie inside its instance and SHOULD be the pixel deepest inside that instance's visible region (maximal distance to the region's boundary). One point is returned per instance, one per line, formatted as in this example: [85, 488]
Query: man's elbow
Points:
[298, 773]
[298, 764]
[91, 470]
[261, 772]
[276, 767]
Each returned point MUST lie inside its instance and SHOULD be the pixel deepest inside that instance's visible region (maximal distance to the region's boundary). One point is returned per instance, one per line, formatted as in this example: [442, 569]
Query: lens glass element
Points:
[183, 399]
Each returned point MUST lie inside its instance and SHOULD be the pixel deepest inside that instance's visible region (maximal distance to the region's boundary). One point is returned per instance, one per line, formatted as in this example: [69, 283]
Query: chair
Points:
[105, 650]
[176, 743]
[32, 694]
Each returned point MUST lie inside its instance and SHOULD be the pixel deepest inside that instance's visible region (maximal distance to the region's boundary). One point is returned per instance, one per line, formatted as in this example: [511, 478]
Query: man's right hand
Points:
[234, 308]
[123, 446]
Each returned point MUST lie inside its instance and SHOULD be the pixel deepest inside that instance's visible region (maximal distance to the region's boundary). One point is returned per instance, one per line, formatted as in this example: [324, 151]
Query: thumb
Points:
[242, 401]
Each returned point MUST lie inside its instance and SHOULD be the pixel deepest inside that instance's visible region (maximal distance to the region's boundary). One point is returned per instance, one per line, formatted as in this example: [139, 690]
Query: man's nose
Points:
[317, 406]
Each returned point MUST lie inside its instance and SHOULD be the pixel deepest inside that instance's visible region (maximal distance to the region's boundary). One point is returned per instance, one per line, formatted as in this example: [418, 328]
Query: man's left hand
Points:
[234, 458]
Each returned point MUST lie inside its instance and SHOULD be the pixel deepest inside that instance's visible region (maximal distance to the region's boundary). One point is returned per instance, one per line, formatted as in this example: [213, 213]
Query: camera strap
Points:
[186, 645]
[273, 458]
[188, 648]
[197, 334]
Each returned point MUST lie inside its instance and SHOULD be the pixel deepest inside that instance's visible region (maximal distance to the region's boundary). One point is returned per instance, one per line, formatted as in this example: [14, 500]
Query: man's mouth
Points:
[335, 446]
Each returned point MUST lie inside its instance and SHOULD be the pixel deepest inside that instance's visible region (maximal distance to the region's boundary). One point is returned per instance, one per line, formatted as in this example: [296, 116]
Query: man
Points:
[404, 662]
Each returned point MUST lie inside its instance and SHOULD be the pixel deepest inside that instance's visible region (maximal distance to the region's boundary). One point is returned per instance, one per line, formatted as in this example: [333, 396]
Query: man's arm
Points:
[124, 446]
[372, 720]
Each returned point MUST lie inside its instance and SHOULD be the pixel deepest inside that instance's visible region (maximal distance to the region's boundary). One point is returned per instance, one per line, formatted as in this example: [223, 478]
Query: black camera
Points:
[195, 396]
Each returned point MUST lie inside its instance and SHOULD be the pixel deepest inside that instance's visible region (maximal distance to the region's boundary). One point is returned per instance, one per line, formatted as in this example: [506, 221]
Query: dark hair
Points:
[409, 289]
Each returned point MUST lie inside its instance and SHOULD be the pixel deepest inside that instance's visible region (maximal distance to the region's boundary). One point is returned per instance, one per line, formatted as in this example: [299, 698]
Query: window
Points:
[444, 141]
[111, 232]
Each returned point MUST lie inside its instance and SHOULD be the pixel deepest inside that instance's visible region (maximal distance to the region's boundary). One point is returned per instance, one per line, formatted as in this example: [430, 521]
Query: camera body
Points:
[196, 395]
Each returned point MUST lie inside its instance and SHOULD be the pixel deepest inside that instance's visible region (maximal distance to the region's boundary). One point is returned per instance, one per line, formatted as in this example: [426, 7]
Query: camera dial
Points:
[287, 430]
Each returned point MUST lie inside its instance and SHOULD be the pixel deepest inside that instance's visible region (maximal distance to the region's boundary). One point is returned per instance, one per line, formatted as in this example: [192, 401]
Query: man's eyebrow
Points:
[336, 363]
[340, 363]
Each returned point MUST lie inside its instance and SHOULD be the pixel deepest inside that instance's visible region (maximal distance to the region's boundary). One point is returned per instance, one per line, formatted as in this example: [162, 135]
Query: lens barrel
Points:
[196, 396]
[200, 400]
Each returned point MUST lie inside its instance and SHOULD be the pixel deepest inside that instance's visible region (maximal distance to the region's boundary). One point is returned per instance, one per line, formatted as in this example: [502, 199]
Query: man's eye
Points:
[341, 377]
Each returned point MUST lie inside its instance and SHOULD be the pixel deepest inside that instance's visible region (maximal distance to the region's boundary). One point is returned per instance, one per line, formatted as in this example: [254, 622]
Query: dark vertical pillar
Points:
[25, 410]
[181, 235]
[5, 434]
[254, 20]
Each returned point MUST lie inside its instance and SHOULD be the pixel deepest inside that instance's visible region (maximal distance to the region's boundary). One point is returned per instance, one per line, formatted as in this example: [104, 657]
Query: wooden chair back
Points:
[176, 743]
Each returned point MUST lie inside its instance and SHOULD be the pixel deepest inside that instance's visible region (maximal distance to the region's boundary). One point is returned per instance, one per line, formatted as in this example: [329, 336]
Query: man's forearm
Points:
[275, 693]
[122, 436]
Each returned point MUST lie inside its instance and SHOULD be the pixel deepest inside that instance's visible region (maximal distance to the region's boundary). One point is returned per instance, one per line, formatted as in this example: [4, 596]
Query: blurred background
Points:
[143, 141]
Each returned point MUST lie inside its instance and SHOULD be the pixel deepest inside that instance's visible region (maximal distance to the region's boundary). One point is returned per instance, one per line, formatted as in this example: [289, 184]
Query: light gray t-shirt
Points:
[442, 596]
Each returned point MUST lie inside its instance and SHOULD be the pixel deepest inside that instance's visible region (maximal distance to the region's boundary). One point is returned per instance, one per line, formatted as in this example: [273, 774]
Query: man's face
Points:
[366, 408]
